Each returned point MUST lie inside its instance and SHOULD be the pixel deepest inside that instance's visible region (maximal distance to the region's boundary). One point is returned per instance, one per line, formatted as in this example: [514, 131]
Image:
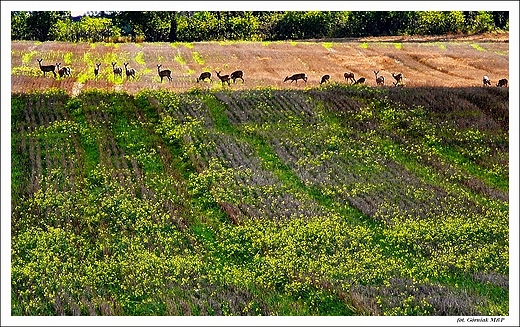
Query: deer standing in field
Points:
[325, 78]
[48, 68]
[203, 76]
[223, 78]
[360, 81]
[350, 77]
[502, 82]
[379, 80]
[96, 70]
[237, 74]
[164, 73]
[65, 71]
[129, 72]
[117, 70]
[296, 77]
[486, 81]
[398, 77]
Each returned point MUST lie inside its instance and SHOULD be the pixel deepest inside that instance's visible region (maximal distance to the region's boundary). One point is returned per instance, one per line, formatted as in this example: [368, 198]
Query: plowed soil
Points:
[447, 61]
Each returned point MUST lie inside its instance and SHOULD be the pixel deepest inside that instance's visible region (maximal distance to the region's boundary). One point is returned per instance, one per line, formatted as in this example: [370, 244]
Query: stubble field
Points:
[423, 62]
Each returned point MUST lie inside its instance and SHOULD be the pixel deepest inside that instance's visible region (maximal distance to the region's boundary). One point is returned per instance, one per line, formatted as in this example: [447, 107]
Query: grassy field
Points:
[342, 200]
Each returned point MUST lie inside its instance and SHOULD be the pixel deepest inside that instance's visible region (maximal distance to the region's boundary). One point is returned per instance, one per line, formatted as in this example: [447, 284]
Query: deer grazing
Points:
[296, 77]
[325, 78]
[129, 72]
[398, 77]
[360, 81]
[379, 80]
[164, 73]
[96, 70]
[117, 70]
[350, 77]
[502, 82]
[203, 76]
[48, 68]
[65, 71]
[237, 74]
[223, 78]
[486, 81]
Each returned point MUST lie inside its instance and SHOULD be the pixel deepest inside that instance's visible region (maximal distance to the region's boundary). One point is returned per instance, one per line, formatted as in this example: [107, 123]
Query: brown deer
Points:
[360, 81]
[203, 76]
[129, 72]
[237, 74]
[486, 81]
[164, 73]
[48, 68]
[96, 70]
[350, 77]
[65, 71]
[296, 77]
[379, 80]
[502, 82]
[117, 70]
[325, 78]
[223, 78]
[398, 77]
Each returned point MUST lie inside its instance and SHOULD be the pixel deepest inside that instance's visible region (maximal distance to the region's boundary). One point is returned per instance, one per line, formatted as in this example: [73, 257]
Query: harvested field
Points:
[431, 62]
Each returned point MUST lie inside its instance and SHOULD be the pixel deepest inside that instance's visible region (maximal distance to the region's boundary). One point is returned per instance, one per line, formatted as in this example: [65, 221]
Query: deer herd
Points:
[238, 74]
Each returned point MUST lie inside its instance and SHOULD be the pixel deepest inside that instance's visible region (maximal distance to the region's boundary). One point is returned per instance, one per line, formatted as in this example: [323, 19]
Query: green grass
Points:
[477, 47]
[327, 45]
[139, 58]
[179, 59]
[197, 58]
[323, 202]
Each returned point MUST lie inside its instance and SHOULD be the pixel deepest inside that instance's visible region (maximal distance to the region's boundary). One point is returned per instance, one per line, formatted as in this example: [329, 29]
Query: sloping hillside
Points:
[334, 200]
[423, 62]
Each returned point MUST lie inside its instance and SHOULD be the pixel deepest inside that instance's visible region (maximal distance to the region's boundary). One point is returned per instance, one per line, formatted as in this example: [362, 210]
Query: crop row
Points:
[258, 202]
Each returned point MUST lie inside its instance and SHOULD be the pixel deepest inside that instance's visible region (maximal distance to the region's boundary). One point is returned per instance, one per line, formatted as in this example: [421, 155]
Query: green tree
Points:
[40, 22]
[478, 21]
[440, 22]
[19, 28]
[501, 19]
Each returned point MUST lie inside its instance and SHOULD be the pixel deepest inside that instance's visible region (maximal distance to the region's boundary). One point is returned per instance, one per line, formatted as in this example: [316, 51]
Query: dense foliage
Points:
[152, 26]
[337, 200]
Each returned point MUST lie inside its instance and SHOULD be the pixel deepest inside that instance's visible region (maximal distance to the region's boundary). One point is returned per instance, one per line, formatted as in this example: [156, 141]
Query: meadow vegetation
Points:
[333, 200]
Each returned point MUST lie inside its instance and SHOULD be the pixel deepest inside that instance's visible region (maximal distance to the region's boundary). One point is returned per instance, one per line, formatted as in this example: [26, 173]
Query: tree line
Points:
[173, 26]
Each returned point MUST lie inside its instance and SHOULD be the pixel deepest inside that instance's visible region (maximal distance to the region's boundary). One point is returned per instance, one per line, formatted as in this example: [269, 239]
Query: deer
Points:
[379, 80]
[96, 70]
[486, 81]
[502, 82]
[223, 78]
[325, 78]
[129, 72]
[65, 71]
[350, 77]
[296, 77]
[117, 70]
[203, 76]
[360, 81]
[397, 84]
[398, 77]
[164, 73]
[48, 68]
[237, 74]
